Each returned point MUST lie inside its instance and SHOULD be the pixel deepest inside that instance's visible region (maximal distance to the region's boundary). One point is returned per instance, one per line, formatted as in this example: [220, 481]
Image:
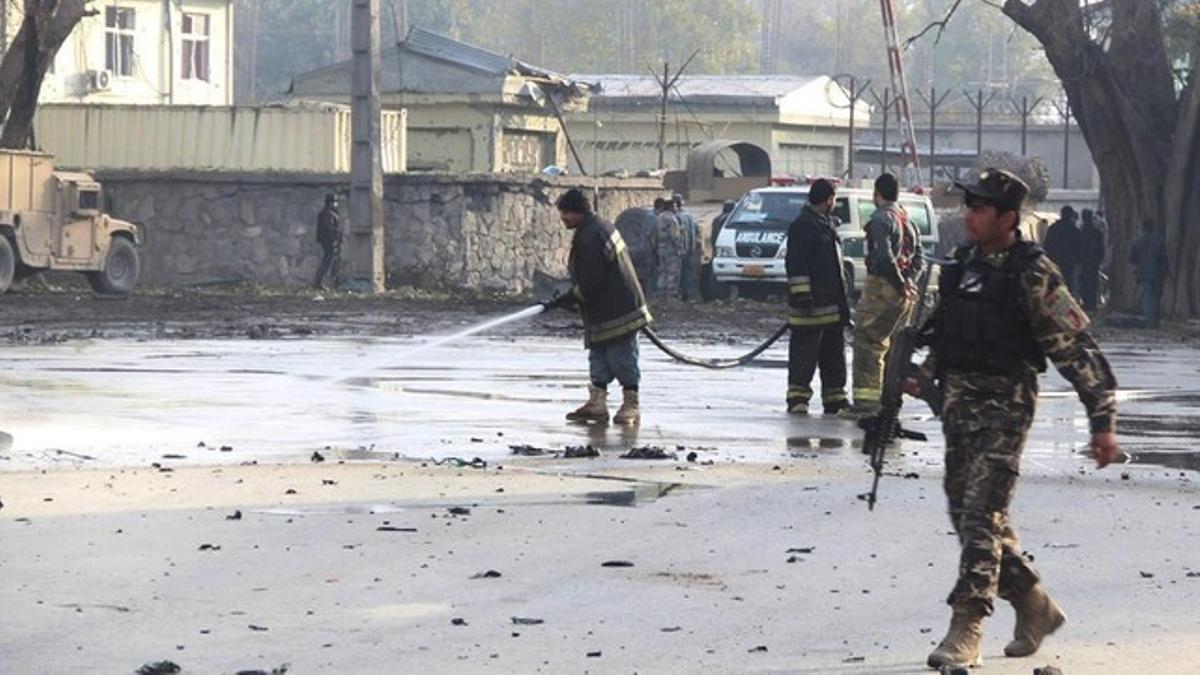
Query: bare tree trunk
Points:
[46, 25]
[1143, 138]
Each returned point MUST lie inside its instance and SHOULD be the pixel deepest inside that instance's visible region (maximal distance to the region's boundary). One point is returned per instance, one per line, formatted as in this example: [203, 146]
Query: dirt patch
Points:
[72, 313]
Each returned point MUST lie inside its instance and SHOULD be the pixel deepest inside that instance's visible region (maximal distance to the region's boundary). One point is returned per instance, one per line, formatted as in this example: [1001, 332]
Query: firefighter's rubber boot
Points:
[630, 413]
[1038, 615]
[960, 647]
[596, 408]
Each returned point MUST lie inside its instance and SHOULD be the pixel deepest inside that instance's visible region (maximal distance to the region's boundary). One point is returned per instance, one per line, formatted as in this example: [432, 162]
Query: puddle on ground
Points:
[636, 493]
[1158, 426]
[802, 443]
[128, 403]
[1185, 398]
[1170, 458]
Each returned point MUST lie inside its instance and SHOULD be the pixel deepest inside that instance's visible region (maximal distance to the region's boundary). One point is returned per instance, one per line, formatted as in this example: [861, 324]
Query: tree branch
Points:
[940, 25]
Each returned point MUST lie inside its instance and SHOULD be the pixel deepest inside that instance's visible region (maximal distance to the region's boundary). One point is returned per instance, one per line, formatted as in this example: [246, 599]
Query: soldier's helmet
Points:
[996, 186]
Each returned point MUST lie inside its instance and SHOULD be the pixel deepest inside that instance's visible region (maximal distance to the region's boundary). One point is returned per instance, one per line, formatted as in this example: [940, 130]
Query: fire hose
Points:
[715, 364]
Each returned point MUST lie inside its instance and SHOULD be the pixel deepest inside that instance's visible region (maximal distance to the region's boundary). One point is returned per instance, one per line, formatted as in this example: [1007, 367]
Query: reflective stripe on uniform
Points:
[799, 391]
[815, 316]
[866, 394]
[800, 285]
[833, 395]
[615, 245]
[629, 323]
[830, 320]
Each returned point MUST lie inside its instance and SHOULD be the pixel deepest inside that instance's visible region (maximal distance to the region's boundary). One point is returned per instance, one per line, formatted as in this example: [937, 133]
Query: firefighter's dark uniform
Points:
[817, 311]
[605, 288]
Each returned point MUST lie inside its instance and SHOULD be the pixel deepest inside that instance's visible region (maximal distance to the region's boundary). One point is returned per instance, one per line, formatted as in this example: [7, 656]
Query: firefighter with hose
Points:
[605, 288]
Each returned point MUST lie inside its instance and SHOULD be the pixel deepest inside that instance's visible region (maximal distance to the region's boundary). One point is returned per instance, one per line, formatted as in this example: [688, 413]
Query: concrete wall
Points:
[479, 232]
[631, 142]
[1045, 141]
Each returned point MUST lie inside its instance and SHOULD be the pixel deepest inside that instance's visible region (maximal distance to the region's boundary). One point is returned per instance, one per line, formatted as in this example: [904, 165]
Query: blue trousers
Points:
[615, 360]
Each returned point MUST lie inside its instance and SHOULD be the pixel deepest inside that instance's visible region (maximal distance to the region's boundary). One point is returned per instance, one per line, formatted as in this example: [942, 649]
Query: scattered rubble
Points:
[648, 452]
[159, 668]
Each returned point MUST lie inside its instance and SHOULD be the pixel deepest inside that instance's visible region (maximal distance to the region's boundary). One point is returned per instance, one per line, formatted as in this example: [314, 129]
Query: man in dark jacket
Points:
[329, 236]
[1091, 257]
[1149, 258]
[817, 305]
[605, 287]
[1063, 243]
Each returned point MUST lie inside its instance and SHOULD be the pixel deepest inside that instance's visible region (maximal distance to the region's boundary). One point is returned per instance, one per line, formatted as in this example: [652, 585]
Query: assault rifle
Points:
[884, 428]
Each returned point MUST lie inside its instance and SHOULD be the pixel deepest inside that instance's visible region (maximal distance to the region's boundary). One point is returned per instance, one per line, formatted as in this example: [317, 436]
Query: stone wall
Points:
[479, 232]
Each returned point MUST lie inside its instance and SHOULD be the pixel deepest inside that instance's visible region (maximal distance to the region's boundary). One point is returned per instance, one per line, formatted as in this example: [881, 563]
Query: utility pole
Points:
[1065, 111]
[400, 19]
[665, 83]
[1025, 109]
[933, 103]
[979, 104]
[884, 104]
[252, 66]
[856, 93]
[366, 164]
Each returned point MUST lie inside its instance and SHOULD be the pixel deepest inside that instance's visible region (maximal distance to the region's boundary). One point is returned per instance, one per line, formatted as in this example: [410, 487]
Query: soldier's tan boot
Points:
[596, 408]
[630, 413]
[1038, 615]
[960, 647]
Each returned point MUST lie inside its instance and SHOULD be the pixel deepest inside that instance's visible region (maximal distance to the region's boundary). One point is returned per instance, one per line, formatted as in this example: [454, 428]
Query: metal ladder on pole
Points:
[908, 148]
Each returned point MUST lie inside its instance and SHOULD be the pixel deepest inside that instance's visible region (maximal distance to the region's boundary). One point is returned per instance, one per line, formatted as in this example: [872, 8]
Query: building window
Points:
[119, 24]
[195, 47]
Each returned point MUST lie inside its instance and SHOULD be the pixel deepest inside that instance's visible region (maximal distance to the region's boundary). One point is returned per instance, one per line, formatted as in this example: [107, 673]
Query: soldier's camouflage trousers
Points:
[981, 474]
[881, 310]
[669, 271]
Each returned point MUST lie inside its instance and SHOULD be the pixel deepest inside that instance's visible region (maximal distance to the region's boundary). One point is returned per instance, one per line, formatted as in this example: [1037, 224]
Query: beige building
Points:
[294, 138]
[144, 52]
[803, 122]
[469, 110]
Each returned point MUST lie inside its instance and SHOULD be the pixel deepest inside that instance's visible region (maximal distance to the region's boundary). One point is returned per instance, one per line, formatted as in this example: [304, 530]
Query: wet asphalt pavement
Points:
[757, 556]
[130, 403]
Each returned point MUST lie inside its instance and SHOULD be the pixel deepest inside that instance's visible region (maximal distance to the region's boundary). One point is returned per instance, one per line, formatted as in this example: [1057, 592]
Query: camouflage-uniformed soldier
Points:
[894, 261]
[1004, 309]
[689, 263]
[670, 250]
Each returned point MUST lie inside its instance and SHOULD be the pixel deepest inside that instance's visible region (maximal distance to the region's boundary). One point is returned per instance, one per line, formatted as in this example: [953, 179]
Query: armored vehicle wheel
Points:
[121, 269]
[8, 264]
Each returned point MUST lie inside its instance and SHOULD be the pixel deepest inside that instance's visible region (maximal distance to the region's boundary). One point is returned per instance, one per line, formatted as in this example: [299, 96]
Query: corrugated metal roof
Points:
[441, 47]
[765, 87]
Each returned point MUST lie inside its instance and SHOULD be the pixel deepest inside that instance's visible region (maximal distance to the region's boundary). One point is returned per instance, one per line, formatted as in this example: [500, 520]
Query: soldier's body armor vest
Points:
[982, 323]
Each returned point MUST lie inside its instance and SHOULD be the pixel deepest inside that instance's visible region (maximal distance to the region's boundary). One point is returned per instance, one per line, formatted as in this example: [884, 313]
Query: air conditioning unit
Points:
[99, 80]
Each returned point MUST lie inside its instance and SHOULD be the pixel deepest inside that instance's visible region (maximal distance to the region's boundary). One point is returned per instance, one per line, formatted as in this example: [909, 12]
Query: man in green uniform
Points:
[1004, 309]
[894, 260]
